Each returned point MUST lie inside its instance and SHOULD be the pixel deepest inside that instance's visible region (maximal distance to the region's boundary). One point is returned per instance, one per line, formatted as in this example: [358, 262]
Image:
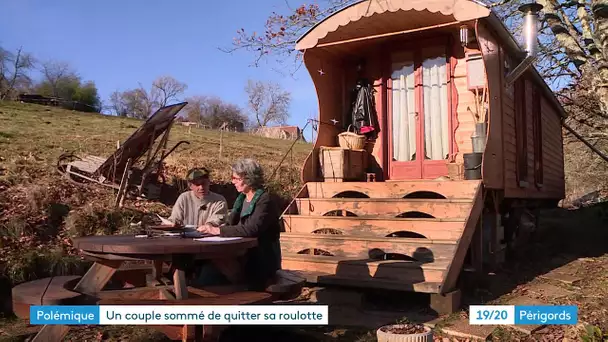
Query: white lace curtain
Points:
[435, 93]
[404, 112]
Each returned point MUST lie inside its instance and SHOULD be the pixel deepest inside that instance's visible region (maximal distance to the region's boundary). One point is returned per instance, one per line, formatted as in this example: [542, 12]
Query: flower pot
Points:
[399, 333]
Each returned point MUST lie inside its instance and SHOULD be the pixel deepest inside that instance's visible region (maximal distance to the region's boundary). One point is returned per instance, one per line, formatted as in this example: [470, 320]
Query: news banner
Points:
[270, 315]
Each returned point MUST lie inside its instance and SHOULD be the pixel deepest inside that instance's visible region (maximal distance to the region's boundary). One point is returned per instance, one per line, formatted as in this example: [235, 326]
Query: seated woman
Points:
[253, 215]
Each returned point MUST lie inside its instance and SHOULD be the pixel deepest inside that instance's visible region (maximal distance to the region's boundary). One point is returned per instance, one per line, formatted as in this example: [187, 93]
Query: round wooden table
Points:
[129, 245]
[109, 252]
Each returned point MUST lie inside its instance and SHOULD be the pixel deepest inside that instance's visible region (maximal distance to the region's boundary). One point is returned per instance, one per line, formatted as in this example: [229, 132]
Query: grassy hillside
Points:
[40, 210]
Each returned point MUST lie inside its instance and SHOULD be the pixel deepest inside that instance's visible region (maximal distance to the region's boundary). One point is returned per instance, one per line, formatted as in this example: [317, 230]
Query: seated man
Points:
[199, 207]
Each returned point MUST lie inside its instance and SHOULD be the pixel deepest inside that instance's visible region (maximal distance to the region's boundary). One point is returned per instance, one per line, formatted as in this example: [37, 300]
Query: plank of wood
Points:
[84, 166]
[46, 291]
[214, 291]
[391, 207]
[165, 294]
[343, 280]
[181, 287]
[239, 298]
[97, 276]
[393, 189]
[404, 271]
[93, 158]
[435, 229]
[455, 266]
[133, 293]
[360, 247]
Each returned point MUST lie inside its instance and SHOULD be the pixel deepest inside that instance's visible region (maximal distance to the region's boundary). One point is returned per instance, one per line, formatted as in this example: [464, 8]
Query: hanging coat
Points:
[363, 113]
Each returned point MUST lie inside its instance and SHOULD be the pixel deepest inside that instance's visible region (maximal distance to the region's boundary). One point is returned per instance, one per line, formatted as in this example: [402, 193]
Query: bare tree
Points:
[55, 73]
[133, 103]
[14, 71]
[282, 30]
[165, 89]
[141, 103]
[118, 104]
[195, 108]
[213, 112]
[268, 102]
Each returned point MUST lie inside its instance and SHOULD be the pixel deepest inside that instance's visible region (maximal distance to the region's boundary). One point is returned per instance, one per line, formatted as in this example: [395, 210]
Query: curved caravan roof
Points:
[343, 23]
[354, 22]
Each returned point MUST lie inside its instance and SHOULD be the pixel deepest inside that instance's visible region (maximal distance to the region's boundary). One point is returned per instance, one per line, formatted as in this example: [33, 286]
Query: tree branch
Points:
[562, 34]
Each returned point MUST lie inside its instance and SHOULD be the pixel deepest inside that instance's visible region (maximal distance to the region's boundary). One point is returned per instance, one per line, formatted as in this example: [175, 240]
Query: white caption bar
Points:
[212, 315]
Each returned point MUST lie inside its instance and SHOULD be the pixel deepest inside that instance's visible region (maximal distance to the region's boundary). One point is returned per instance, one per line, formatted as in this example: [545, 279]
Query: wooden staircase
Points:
[406, 235]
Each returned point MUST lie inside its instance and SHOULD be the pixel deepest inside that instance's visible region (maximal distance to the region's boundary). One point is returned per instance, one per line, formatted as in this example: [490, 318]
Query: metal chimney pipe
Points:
[530, 12]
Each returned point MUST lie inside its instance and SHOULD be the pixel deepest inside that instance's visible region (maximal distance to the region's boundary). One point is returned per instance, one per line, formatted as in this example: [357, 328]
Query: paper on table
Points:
[164, 221]
[218, 238]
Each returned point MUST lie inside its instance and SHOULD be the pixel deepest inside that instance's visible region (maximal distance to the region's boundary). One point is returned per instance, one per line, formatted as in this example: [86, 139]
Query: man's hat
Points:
[197, 174]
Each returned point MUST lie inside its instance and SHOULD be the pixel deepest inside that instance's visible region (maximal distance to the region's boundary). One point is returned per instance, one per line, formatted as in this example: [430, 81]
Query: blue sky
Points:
[119, 44]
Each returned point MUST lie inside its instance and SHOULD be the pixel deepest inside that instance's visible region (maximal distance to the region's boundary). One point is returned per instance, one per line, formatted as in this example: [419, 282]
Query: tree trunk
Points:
[600, 15]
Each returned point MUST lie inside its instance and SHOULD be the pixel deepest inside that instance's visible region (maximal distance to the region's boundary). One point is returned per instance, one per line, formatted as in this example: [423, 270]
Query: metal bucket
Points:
[472, 165]
[478, 139]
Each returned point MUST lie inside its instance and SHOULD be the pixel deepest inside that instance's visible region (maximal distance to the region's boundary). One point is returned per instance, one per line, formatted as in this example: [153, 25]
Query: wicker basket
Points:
[351, 140]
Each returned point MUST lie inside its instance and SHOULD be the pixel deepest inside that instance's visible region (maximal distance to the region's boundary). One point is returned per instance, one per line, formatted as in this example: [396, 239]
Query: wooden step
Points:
[365, 269]
[332, 279]
[360, 247]
[391, 207]
[394, 189]
[435, 229]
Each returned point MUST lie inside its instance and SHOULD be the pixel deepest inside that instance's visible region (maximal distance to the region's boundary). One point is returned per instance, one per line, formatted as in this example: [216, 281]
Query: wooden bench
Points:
[205, 296]
[46, 291]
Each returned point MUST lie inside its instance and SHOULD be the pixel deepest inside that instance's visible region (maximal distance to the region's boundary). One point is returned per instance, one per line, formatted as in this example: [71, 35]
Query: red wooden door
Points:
[419, 113]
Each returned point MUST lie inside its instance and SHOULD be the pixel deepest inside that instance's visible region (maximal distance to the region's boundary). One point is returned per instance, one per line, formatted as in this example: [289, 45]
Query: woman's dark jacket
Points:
[260, 219]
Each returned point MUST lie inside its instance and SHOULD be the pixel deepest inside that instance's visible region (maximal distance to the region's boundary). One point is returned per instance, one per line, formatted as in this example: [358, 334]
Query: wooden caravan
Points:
[449, 85]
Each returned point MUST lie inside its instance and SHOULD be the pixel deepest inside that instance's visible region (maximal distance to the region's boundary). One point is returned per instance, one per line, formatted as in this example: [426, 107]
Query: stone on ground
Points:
[523, 300]
[561, 276]
[549, 291]
[463, 329]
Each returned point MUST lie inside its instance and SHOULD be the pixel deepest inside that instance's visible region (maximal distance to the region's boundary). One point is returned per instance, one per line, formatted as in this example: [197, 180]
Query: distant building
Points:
[189, 123]
[281, 132]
